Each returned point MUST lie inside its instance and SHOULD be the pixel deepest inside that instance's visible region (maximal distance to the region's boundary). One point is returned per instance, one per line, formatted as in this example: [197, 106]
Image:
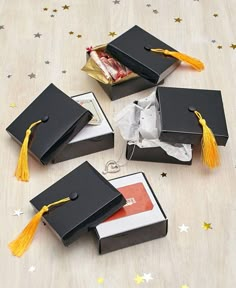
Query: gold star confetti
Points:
[54, 10]
[71, 32]
[206, 226]
[215, 15]
[138, 279]
[233, 46]
[219, 46]
[100, 280]
[12, 105]
[112, 34]
[178, 20]
[65, 7]
[184, 286]
[45, 9]
[79, 36]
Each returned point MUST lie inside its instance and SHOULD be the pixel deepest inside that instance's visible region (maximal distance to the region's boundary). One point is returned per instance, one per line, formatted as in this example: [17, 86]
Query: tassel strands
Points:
[22, 169]
[210, 153]
[195, 63]
[24, 239]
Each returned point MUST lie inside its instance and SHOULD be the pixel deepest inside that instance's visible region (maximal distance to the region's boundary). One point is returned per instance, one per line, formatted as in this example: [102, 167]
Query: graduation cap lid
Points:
[72, 206]
[147, 56]
[45, 126]
[186, 116]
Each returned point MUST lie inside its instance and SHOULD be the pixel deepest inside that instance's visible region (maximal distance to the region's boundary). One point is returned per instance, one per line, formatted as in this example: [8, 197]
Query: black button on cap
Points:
[45, 119]
[147, 47]
[73, 196]
[191, 108]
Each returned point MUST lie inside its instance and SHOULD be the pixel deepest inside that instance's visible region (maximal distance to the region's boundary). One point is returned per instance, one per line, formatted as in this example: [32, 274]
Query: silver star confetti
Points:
[47, 62]
[147, 277]
[183, 228]
[155, 11]
[116, 2]
[1, 27]
[18, 212]
[9, 76]
[148, 5]
[37, 35]
[32, 75]
[32, 269]
[64, 71]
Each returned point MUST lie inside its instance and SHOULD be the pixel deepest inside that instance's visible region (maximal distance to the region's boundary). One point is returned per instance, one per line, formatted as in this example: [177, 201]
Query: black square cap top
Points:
[131, 49]
[97, 200]
[179, 124]
[62, 119]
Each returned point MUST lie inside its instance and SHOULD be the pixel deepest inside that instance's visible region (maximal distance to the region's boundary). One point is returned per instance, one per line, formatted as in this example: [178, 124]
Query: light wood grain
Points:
[189, 195]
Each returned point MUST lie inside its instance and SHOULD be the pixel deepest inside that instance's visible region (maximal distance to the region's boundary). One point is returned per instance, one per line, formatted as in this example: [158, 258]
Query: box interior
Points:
[135, 221]
[92, 131]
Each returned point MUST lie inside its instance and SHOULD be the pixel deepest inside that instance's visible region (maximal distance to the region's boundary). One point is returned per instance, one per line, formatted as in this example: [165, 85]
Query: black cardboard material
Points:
[134, 236]
[154, 154]
[66, 119]
[88, 146]
[129, 49]
[179, 125]
[97, 200]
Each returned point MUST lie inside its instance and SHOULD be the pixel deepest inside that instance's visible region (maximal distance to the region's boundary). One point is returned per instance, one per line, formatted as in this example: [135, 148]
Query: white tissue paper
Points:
[139, 124]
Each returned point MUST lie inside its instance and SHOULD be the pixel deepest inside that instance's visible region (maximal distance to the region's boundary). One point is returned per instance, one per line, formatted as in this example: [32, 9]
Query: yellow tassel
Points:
[195, 63]
[22, 169]
[22, 242]
[210, 153]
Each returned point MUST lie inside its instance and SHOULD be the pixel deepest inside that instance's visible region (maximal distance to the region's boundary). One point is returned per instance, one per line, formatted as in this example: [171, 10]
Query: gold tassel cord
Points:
[195, 63]
[24, 239]
[22, 169]
[210, 153]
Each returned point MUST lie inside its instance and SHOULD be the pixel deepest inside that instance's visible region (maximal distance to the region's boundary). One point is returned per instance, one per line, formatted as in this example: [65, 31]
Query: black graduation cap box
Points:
[96, 136]
[150, 68]
[96, 200]
[178, 122]
[141, 219]
[64, 119]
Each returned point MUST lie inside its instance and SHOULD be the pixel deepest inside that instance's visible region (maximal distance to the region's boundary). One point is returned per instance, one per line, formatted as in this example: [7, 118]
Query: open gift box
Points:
[147, 69]
[163, 128]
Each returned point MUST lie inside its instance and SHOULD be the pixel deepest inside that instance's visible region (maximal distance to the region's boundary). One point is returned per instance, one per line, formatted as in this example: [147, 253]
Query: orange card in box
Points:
[137, 201]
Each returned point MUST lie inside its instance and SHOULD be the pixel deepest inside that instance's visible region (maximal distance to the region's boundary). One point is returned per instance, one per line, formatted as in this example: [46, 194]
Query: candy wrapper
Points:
[105, 69]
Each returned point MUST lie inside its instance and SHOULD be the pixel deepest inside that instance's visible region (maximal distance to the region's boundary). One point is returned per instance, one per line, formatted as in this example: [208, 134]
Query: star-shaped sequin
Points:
[18, 212]
[32, 75]
[116, 2]
[37, 35]
[163, 174]
[178, 20]
[9, 76]
[47, 62]
[233, 46]
[138, 279]
[219, 46]
[148, 5]
[2, 27]
[100, 280]
[63, 71]
[32, 269]
[52, 15]
[71, 32]
[183, 228]
[112, 34]
[12, 105]
[45, 9]
[147, 277]
[65, 7]
[215, 15]
[206, 226]
[79, 36]
[213, 41]
[155, 11]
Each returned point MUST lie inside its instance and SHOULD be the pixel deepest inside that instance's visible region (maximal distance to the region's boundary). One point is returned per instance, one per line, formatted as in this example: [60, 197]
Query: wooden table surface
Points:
[190, 195]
